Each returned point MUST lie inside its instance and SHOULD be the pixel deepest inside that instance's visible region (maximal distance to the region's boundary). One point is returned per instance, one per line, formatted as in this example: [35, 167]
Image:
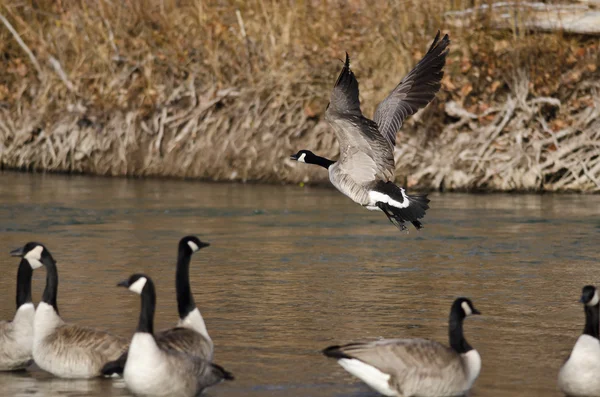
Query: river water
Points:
[292, 270]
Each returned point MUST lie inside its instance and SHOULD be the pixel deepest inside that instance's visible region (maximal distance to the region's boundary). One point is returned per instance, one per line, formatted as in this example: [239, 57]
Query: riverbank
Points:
[214, 91]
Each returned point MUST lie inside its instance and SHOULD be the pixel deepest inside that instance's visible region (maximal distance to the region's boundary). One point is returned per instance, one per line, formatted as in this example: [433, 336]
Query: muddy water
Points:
[292, 270]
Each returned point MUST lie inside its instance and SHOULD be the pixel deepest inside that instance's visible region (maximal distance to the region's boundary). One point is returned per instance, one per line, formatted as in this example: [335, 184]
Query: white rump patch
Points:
[594, 300]
[193, 246]
[301, 158]
[368, 374]
[467, 309]
[384, 198]
[34, 257]
[138, 286]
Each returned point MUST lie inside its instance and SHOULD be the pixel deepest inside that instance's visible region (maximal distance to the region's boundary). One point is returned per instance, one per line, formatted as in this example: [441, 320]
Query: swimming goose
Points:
[415, 367]
[16, 336]
[65, 350]
[190, 335]
[365, 169]
[152, 370]
[579, 376]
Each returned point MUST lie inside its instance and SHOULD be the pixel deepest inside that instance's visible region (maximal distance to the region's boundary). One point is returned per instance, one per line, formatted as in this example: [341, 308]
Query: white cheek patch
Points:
[302, 158]
[138, 286]
[594, 300]
[34, 257]
[193, 246]
[467, 309]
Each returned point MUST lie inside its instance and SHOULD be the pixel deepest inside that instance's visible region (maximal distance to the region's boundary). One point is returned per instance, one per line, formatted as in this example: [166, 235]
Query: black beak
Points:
[581, 300]
[294, 157]
[124, 283]
[17, 252]
[475, 311]
[204, 245]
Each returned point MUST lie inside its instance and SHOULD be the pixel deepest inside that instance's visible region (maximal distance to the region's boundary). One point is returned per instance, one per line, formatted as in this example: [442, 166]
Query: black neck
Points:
[185, 299]
[457, 338]
[24, 283]
[51, 289]
[146, 322]
[592, 318]
[322, 161]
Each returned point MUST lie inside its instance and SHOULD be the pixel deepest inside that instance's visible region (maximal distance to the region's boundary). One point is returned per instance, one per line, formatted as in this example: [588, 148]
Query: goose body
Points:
[65, 350]
[16, 336]
[190, 335]
[365, 169]
[152, 370]
[579, 375]
[415, 367]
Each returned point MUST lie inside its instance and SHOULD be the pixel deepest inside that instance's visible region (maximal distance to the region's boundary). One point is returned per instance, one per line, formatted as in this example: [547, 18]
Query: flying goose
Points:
[190, 335]
[152, 370]
[65, 350]
[365, 169]
[16, 336]
[415, 367]
[579, 376]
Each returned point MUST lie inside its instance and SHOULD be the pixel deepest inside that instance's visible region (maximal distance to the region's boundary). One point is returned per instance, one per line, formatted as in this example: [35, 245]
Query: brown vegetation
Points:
[227, 90]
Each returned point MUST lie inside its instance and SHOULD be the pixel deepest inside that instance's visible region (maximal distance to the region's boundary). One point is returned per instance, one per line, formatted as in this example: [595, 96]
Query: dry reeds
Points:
[227, 90]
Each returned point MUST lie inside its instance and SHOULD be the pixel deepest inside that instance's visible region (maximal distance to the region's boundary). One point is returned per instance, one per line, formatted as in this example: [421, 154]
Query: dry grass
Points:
[227, 90]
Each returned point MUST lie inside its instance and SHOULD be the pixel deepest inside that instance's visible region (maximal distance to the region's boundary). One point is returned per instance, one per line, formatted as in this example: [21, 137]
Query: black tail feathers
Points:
[415, 210]
[116, 367]
[335, 352]
[221, 372]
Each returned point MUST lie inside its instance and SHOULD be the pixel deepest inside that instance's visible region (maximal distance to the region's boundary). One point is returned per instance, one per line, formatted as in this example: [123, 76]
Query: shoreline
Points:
[325, 184]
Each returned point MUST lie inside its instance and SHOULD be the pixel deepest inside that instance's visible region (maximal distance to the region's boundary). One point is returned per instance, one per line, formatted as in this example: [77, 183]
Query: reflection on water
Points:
[292, 270]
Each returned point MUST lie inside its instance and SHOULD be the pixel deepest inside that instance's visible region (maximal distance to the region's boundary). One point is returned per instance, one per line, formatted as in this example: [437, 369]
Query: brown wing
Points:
[186, 341]
[101, 346]
[415, 90]
[193, 373]
[419, 357]
[355, 132]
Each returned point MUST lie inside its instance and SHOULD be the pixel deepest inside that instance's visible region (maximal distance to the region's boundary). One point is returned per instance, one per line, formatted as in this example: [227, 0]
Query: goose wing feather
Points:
[356, 133]
[101, 346]
[194, 373]
[187, 341]
[415, 90]
[403, 357]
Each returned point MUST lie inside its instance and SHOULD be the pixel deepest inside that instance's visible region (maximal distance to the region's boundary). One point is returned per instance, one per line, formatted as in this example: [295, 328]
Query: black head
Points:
[589, 296]
[35, 253]
[304, 156]
[135, 283]
[191, 244]
[464, 307]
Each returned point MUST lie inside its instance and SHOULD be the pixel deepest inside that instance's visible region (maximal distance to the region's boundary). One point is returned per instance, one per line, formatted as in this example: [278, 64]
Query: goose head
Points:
[35, 253]
[466, 307]
[192, 244]
[304, 156]
[589, 296]
[135, 283]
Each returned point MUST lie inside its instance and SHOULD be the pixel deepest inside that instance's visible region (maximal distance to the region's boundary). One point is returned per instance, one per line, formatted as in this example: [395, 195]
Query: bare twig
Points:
[61, 73]
[17, 37]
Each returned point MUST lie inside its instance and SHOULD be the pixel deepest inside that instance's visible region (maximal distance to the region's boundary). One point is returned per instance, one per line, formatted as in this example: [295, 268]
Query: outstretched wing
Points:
[344, 97]
[415, 90]
[356, 133]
